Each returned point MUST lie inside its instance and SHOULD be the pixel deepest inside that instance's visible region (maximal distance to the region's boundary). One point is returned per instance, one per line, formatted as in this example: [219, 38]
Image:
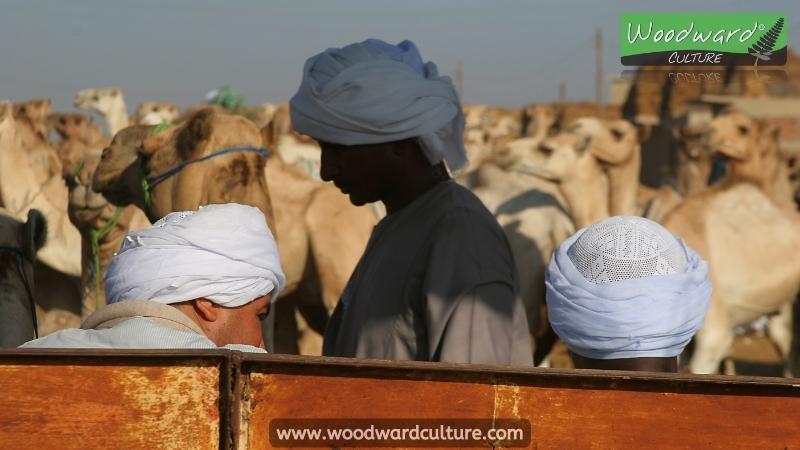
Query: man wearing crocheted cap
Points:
[437, 281]
[626, 294]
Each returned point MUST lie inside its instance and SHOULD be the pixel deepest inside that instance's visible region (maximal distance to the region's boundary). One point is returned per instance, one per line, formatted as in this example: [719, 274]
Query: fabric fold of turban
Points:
[374, 92]
[225, 253]
[643, 317]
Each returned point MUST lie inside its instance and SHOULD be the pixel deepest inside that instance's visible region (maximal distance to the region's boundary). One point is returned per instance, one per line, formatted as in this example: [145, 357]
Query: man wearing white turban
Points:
[437, 281]
[625, 294]
[195, 279]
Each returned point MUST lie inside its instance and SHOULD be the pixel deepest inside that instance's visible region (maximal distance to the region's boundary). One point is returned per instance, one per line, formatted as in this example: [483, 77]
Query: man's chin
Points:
[360, 199]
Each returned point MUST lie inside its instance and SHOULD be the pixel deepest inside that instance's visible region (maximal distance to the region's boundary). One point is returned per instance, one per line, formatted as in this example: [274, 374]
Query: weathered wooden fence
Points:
[221, 399]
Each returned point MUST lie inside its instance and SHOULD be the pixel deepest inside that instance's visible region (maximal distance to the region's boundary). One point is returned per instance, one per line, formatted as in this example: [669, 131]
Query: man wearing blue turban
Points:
[625, 294]
[437, 281]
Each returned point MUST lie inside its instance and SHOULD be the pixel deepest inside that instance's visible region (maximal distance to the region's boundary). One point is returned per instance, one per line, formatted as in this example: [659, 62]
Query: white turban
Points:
[373, 92]
[623, 314]
[225, 253]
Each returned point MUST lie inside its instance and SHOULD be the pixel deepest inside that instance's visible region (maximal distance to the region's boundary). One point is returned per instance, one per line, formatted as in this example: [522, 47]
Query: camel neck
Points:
[116, 117]
[623, 183]
[587, 197]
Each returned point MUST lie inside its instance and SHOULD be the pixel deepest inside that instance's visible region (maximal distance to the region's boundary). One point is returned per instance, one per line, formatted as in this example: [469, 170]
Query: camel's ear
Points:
[35, 234]
[116, 92]
[268, 138]
[197, 130]
[558, 123]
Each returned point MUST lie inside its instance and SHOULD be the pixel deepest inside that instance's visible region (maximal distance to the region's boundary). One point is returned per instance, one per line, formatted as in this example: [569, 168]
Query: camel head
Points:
[118, 175]
[736, 136]
[540, 120]
[556, 158]
[35, 112]
[99, 100]
[152, 113]
[540, 123]
[612, 142]
[87, 209]
[74, 126]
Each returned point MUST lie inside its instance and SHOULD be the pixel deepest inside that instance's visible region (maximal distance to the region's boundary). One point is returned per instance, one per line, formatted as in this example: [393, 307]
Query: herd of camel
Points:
[542, 177]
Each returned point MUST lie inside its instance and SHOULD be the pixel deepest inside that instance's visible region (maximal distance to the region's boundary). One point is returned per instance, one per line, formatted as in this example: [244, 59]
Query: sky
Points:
[513, 52]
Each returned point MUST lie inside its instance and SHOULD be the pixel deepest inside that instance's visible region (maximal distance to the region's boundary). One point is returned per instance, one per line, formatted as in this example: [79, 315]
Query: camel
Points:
[752, 150]
[108, 102]
[747, 229]
[694, 156]
[20, 191]
[79, 127]
[34, 113]
[102, 226]
[58, 263]
[750, 245]
[19, 243]
[33, 130]
[568, 159]
[239, 177]
[152, 113]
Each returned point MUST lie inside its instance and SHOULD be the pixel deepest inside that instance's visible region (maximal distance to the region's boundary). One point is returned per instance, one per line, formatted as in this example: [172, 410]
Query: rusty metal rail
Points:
[223, 399]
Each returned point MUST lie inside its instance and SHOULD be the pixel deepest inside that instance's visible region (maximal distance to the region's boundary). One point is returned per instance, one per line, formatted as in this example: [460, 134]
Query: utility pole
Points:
[562, 91]
[598, 46]
[460, 80]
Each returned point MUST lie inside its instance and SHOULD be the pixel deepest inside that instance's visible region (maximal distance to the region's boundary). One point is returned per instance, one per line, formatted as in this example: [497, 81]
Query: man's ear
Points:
[206, 309]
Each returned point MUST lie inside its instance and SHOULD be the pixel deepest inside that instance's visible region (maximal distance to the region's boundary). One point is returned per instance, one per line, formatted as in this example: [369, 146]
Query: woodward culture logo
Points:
[703, 39]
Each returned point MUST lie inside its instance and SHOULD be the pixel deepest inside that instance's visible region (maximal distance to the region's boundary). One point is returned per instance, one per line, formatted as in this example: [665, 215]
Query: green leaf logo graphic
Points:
[766, 43]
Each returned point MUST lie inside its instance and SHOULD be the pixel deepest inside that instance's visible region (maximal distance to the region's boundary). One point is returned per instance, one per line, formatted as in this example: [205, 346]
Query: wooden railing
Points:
[221, 399]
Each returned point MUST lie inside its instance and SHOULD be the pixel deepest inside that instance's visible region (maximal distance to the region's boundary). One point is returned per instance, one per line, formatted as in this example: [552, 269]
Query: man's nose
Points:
[328, 166]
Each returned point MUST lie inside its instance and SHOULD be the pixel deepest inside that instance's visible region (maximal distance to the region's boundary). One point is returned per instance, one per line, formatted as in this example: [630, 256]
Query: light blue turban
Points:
[373, 92]
[654, 316]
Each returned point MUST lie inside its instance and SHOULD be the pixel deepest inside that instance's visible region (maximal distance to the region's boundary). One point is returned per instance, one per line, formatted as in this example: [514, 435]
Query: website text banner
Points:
[423, 433]
[703, 39]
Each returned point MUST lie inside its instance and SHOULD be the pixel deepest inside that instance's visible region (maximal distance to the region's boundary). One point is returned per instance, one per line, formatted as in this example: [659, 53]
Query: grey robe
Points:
[437, 282]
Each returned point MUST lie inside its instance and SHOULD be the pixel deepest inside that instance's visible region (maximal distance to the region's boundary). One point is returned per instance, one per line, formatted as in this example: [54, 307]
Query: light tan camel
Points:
[101, 224]
[694, 155]
[109, 103]
[120, 172]
[752, 150]
[34, 113]
[750, 245]
[58, 265]
[154, 113]
[74, 126]
[569, 160]
[32, 130]
[748, 233]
